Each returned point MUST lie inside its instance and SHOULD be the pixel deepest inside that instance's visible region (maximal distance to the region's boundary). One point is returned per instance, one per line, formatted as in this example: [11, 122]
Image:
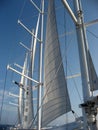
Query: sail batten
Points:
[56, 101]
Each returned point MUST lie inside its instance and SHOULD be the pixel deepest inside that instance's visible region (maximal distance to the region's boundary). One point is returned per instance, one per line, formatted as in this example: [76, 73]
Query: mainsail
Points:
[56, 102]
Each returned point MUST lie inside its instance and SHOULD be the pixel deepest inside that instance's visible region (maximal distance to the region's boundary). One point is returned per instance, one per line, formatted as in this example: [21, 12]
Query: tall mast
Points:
[84, 65]
[82, 46]
[83, 50]
[40, 71]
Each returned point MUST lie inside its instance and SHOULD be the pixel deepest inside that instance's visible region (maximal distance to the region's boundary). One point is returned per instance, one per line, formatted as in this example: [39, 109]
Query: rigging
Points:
[3, 95]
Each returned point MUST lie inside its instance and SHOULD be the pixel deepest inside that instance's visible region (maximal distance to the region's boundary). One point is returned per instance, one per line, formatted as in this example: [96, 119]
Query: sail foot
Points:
[91, 108]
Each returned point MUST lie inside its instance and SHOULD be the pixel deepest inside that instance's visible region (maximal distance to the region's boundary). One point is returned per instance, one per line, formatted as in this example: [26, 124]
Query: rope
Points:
[2, 103]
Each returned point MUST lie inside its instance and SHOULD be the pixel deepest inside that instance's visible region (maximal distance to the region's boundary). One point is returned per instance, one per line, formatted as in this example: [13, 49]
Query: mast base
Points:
[91, 109]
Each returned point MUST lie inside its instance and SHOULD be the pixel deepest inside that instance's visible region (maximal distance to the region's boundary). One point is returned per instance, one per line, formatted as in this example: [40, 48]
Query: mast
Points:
[88, 114]
[89, 119]
[40, 71]
[82, 45]
[81, 37]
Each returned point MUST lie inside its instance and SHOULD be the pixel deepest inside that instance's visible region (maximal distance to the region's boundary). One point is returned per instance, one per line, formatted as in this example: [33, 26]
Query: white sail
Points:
[21, 93]
[93, 75]
[28, 107]
[56, 100]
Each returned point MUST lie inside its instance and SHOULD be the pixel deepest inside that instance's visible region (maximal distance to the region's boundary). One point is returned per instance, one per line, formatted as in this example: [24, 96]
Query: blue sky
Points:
[11, 34]
[8, 37]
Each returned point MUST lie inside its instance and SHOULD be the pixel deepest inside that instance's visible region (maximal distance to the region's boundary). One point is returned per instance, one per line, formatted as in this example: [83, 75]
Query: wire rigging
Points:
[75, 85]
[3, 95]
[21, 12]
[92, 33]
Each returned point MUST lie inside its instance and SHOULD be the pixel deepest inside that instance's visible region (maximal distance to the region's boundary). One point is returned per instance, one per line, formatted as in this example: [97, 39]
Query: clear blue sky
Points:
[11, 34]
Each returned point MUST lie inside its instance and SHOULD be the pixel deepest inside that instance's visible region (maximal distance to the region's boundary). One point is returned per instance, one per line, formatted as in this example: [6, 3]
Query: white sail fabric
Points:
[93, 75]
[21, 93]
[56, 101]
[28, 107]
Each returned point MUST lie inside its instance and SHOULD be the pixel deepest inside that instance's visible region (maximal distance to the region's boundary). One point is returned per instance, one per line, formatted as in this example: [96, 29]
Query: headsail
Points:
[56, 100]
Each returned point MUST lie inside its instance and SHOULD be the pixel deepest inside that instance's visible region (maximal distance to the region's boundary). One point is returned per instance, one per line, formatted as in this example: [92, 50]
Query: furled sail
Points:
[56, 101]
[21, 93]
[28, 107]
[93, 75]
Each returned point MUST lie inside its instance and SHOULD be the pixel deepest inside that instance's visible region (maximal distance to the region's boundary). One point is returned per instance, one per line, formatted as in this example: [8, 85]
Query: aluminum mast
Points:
[40, 71]
[84, 63]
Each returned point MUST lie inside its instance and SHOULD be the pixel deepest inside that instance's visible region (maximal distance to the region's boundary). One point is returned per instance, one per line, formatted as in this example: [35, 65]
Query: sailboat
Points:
[55, 101]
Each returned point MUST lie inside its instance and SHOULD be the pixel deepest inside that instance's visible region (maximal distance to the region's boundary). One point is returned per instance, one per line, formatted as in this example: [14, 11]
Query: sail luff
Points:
[56, 101]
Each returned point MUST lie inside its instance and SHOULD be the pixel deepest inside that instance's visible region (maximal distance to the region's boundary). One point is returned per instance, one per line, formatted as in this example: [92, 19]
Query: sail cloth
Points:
[93, 75]
[56, 101]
